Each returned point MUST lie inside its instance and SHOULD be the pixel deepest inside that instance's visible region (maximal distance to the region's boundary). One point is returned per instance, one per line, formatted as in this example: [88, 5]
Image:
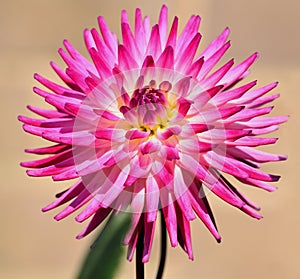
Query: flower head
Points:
[149, 124]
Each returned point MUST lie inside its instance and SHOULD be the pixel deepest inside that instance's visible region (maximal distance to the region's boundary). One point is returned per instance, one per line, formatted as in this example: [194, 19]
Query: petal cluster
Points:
[149, 124]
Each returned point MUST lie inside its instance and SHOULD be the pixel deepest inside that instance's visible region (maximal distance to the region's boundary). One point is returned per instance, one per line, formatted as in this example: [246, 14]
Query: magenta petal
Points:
[84, 197]
[171, 219]
[188, 53]
[166, 60]
[102, 48]
[214, 78]
[181, 193]
[149, 228]
[194, 69]
[150, 146]
[245, 152]
[71, 193]
[129, 41]
[170, 153]
[203, 211]
[47, 113]
[216, 44]
[95, 222]
[182, 86]
[135, 220]
[235, 73]
[154, 45]
[184, 234]
[255, 94]
[139, 31]
[152, 198]
[221, 99]
[188, 32]
[136, 134]
[163, 25]
[173, 33]
[126, 61]
[102, 67]
[48, 150]
[108, 37]
[212, 61]
[164, 134]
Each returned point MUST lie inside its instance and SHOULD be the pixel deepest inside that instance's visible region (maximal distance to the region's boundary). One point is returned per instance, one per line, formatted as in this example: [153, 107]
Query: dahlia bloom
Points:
[149, 124]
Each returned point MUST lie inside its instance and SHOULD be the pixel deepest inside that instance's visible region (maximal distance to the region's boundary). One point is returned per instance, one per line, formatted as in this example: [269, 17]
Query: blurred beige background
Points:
[33, 245]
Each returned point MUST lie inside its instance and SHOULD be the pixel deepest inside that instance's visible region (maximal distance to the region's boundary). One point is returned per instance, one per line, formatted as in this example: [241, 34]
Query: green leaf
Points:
[104, 256]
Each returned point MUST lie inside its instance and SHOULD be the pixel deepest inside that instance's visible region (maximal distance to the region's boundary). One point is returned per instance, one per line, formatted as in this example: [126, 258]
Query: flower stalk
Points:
[139, 265]
[163, 247]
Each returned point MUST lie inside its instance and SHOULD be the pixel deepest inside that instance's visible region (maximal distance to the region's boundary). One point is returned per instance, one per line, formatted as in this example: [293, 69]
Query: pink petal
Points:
[100, 215]
[223, 164]
[181, 194]
[108, 37]
[149, 228]
[150, 146]
[71, 193]
[201, 99]
[245, 152]
[103, 49]
[182, 86]
[152, 198]
[126, 61]
[220, 135]
[184, 234]
[166, 59]
[263, 100]
[163, 25]
[133, 241]
[187, 55]
[80, 201]
[78, 58]
[224, 97]
[212, 61]
[164, 134]
[258, 183]
[111, 134]
[52, 160]
[255, 94]
[173, 34]
[129, 41]
[170, 218]
[154, 45]
[48, 150]
[136, 134]
[188, 33]
[216, 44]
[248, 114]
[58, 89]
[235, 73]
[214, 78]
[64, 77]
[139, 31]
[47, 113]
[104, 70]
[136, 219]
[195, 68]
[203, 211]
[251, 141]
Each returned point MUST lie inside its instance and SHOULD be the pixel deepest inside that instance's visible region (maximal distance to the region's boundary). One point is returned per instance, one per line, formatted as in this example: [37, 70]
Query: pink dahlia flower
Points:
[149, 124]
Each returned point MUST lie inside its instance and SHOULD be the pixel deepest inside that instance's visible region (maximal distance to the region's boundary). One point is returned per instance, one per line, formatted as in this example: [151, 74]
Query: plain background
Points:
[33, 245]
